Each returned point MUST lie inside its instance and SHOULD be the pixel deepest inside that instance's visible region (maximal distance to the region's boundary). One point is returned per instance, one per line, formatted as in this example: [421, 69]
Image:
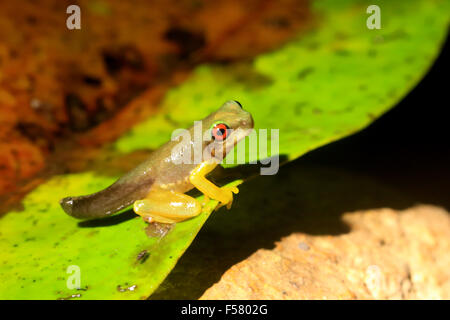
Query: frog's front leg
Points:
[167, 206]
[224, 195]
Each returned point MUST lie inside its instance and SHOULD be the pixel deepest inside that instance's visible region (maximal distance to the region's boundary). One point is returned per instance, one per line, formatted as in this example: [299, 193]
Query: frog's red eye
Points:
[220, 131]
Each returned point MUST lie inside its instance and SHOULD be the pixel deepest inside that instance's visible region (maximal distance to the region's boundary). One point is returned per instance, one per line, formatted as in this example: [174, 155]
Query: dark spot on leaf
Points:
[77, 295]
[246, 75]
[341, 35]
[92, 81]
[76, 112]
[143, 256]
[342, 52]
[396, 35]
[313, 46]
[31, 20]
[83, 289]
[348, 109]
[31, 131]
[305, 72]
[299, 107]
[278, 22]
[92, 233]
[173, 122]
[378, 39]
[115, 59]
[124, 289]
[372, 53]
[392, 93]
[187, 41]
[409, 59]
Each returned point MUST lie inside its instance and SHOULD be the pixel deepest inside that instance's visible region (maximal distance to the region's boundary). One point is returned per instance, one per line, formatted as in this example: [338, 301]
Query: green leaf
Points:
[329, 82]
[40, 243]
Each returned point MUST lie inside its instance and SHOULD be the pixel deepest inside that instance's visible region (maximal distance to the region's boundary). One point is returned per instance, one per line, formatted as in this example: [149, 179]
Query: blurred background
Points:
[57, 86]
[67, 96]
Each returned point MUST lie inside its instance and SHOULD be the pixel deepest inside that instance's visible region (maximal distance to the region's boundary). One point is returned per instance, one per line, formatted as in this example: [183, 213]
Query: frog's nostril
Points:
[247, 123]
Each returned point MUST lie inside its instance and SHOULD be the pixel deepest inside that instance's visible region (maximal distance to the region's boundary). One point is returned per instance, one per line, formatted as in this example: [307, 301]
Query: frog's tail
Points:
[104, 203]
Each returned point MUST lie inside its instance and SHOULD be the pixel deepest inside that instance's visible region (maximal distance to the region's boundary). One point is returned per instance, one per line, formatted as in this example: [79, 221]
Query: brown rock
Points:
[387, 254]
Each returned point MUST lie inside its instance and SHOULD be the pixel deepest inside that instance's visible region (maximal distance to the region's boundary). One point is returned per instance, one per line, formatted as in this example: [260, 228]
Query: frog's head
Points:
[226, 127]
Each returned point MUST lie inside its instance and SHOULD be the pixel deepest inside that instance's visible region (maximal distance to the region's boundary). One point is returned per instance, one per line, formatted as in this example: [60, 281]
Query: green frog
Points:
[156, 188]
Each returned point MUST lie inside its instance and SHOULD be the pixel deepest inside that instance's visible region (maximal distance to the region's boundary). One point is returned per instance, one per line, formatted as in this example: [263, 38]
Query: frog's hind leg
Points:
[167, 206]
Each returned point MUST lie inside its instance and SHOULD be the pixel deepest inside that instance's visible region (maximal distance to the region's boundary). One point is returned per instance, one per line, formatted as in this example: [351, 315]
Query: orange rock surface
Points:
[387, 254]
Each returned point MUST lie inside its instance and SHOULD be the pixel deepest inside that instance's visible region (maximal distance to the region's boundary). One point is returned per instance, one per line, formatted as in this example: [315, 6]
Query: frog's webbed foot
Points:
[158, 229]
[228, 194]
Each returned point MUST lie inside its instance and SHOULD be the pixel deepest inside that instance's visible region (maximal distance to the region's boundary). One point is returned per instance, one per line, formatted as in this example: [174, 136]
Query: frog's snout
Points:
[67, 205]
[247, 123]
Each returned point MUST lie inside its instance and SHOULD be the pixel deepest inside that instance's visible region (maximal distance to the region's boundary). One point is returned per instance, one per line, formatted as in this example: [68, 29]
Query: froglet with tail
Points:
[156, 187]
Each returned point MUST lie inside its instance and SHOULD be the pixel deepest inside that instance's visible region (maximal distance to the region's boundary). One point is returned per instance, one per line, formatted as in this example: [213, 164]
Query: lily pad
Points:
[326, 84]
